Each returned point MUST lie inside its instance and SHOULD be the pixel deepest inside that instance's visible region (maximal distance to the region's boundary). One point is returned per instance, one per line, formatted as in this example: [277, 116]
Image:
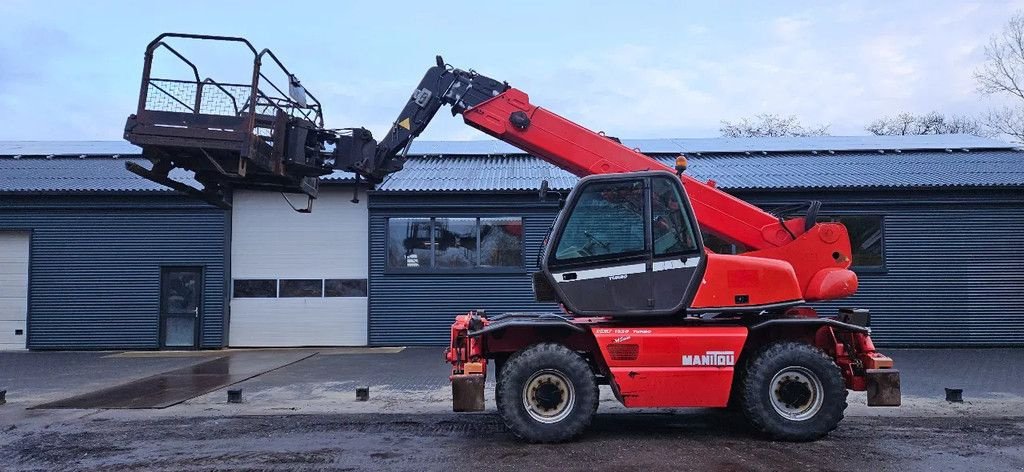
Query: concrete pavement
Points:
[411, 380]
[305, 416]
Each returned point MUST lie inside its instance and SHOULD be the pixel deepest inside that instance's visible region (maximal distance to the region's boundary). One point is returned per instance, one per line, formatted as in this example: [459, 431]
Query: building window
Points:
[299, 288]
[452, 244]
[866, 240]
[501, 242]
[410, 242]
[455, 243]
[345, 288]
[720, 245]
[255, 288]
[296, 288]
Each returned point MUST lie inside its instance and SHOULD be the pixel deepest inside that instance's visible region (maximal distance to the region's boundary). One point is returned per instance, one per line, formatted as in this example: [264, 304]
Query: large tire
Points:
[547, 393]
[792, 391]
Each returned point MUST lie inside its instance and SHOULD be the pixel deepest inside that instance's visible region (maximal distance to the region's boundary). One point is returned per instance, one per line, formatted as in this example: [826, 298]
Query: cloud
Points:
[825, 71]
[843, 64]
[788, 28]
[48, 45]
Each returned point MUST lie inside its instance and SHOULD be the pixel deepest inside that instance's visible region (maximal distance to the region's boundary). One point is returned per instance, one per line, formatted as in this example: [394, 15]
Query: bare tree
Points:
[928, 123]
[1003, 75]
[769, 125]
[1006, 120]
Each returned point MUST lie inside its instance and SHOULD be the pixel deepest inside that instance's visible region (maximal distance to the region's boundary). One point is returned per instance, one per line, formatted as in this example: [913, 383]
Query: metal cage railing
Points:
[259, 134]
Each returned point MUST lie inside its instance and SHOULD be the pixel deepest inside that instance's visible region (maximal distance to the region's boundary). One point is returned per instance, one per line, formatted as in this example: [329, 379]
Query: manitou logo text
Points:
[711, 358]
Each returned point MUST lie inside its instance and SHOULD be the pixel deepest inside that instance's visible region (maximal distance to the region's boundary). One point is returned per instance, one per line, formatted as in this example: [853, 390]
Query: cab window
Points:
[607, 222]
[671, 232]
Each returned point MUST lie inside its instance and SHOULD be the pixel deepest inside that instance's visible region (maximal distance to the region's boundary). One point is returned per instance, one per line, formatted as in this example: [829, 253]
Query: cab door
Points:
[600, 260]
[626, 244]
[677, 252]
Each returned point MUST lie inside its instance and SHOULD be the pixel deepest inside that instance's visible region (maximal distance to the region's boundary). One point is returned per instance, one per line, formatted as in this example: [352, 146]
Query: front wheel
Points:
[547, 393]
[793, 391]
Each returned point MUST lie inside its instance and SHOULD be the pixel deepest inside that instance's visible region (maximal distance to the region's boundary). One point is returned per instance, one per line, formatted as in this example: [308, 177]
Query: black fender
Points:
[809, 322]
[532, 320]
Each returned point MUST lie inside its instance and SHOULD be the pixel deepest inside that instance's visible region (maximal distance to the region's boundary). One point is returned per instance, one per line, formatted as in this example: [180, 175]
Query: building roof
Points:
[68, 148]
[738, 163]
[77, 175]
[939, 142]
[736, 171]
[477, 173]
[734, 163]
[653, 146]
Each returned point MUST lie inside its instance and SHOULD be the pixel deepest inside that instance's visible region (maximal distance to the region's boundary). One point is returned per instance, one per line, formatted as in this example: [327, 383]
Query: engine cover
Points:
[671, 366]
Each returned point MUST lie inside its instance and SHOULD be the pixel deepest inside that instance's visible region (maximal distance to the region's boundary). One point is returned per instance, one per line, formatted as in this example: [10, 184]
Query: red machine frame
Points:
[651, 370]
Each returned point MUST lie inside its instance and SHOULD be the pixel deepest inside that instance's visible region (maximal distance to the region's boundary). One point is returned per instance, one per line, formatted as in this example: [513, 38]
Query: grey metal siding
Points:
[94, 275]
[418, 308]
[954, 271]
[954, 268]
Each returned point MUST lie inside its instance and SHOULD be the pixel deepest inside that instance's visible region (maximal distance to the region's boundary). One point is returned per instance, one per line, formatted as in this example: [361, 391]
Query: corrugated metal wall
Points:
[418, 308]
[94, 276]
[954, 266]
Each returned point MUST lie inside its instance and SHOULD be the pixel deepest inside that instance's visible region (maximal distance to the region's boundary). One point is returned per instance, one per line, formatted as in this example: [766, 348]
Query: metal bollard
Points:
[362, 394]
[3, 397]
[235, 395]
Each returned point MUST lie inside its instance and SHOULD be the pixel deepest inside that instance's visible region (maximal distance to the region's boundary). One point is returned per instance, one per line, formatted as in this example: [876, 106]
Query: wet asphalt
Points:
[695, 441]
[48, 376]
[201, 435]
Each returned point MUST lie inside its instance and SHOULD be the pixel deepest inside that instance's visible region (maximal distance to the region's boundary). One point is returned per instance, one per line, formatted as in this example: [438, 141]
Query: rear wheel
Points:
[793, 391]
[546, 393]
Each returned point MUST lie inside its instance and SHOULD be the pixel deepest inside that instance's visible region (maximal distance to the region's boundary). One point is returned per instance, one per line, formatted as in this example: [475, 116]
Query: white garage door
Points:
[13, 289]
[298, 279]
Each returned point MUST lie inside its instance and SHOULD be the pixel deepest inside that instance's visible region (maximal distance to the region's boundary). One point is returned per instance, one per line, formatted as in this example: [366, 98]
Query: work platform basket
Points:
[253, 133]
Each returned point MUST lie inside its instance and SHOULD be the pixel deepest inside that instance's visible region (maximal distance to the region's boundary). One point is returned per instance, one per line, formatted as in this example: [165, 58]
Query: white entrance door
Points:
[13, 289]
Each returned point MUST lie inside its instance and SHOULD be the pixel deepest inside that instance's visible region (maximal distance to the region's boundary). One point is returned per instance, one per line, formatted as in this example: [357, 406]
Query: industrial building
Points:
[94, 257]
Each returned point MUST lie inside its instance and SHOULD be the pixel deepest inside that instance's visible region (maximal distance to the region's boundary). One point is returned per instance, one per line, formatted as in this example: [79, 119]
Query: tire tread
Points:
[759, 371]
[554, 355]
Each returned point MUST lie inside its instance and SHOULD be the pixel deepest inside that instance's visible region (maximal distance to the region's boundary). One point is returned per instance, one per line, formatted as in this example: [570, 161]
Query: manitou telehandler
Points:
[646, 308]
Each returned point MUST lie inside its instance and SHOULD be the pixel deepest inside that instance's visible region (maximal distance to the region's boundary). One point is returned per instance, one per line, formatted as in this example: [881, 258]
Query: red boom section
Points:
[584, 152]
[820, 257]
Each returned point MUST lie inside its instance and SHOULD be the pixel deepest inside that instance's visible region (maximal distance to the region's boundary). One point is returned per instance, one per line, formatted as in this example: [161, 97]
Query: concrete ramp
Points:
[176, 386]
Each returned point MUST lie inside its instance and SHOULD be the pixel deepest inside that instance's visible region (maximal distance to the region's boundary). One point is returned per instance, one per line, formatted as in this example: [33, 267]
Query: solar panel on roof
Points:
[655, 146]
[493, 165]
[735, 171]
[67, 148]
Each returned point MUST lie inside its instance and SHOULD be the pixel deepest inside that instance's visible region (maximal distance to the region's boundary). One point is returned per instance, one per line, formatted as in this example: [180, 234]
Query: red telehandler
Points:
[646, 308]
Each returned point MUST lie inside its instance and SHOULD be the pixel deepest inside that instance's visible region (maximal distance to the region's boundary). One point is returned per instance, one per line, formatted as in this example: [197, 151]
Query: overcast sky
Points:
[70, 70]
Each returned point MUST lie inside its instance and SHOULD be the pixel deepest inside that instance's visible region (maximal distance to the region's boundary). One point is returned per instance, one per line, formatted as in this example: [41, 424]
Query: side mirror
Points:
[545, 189]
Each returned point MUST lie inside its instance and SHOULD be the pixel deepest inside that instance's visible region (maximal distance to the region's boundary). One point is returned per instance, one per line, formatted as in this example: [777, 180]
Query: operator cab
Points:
[625, 245]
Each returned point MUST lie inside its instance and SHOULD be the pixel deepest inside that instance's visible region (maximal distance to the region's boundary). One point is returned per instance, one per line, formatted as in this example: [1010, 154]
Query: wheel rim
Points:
[796, 393]
[549, 396]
